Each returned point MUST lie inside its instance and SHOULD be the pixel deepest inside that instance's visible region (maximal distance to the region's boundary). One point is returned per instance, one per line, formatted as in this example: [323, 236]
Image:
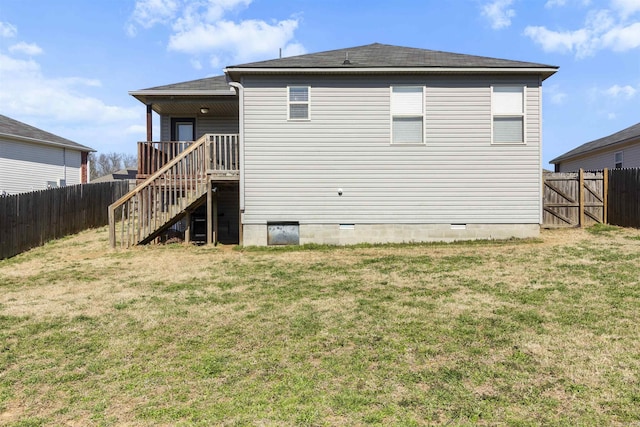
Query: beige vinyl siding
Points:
[293, 170]
[208, 124]
[28, 167]
[605, 159]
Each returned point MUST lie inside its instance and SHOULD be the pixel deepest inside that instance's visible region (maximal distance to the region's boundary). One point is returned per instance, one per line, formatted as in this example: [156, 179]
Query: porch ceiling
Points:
[189, 106]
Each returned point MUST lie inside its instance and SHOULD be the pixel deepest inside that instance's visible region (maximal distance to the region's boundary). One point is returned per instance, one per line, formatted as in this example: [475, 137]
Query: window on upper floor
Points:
[617, 160]
[298, 103]
[407, 114]
[508, 114]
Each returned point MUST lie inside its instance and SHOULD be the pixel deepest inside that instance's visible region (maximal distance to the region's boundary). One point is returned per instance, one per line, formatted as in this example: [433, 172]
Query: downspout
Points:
[540, 174]
[240, 90]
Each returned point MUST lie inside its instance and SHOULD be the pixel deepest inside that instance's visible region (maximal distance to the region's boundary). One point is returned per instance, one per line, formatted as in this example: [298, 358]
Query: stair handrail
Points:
[121, 201]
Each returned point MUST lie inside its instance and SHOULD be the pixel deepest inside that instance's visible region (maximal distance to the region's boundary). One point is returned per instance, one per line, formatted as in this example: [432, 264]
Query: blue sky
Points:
[66, 66]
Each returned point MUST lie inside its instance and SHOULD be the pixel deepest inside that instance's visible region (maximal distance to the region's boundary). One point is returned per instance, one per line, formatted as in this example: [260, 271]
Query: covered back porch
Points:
[191, 170]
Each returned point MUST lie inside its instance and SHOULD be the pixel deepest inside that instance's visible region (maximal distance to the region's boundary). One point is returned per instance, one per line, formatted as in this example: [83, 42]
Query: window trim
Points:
[522, 115]
[307, 103]
[615, 162]
[392, 115]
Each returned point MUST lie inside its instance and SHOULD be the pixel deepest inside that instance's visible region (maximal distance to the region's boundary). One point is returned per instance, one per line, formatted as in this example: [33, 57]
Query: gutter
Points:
[229, 92]
[544, 71]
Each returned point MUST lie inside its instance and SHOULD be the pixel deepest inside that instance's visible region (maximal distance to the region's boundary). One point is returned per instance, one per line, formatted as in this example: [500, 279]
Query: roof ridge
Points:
[379, 55]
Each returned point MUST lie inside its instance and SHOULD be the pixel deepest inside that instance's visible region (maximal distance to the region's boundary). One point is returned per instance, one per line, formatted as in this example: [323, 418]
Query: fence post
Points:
[581, 197]
[605, 196]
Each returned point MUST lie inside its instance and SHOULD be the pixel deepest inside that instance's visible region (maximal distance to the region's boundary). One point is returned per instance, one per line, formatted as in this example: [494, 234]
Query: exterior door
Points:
[184, 131]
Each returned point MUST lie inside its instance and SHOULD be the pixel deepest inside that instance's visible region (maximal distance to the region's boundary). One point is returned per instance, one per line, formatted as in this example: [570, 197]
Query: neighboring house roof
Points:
[618, 138]
[398, 58]
[118, 175]
[14, 129]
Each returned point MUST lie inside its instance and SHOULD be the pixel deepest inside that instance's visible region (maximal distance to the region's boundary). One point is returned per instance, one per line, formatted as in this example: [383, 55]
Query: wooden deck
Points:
[222, 156]
[174, 177]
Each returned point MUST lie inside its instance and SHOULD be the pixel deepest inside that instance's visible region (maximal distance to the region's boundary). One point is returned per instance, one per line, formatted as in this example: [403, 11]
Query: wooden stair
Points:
[178, 187]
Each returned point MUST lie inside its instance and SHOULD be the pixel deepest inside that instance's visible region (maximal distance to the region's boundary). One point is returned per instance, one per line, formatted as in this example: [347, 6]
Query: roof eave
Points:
[145, 96]
[230, 92]
[544, 71]
[45, 142]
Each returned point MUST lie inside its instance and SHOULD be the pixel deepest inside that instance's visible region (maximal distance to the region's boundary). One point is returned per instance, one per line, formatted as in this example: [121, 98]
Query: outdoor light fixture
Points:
[204, 110]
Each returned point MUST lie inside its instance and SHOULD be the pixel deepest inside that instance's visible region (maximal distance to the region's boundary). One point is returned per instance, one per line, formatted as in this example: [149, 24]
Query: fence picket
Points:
[624, 197]
[31, 219]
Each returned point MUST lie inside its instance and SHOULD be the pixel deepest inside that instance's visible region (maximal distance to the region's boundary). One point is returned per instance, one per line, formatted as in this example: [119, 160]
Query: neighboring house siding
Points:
[28, 167]
[203, 125]
[605, 159]
[293, 169]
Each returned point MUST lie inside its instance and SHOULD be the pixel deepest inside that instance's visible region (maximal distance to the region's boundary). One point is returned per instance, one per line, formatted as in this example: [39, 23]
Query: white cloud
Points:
[216, 9]
[560, 3]
[626, 8]
[558, 98]
[148, 13]
[617, 91]
[196, 64]
[7, 30]
[241, 42]
[204, 31]
[62, 106]
[27, 89]
[621, 39]
[293, 49]
[555, 95]
[556, 41]
[30, 49]
[499, 13]
[602, 30]
[136, 130]
[554, 3]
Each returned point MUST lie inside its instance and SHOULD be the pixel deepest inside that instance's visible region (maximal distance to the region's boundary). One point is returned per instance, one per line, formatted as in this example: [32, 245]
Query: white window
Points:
[407, 114]
[508, 112]
[298, 102]
[617, 159]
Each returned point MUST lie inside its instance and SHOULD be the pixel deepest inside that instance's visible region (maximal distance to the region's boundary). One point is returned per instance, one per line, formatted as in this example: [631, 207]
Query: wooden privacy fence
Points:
[580, 199]
[31, 219]
[624, 197]
[573, 199]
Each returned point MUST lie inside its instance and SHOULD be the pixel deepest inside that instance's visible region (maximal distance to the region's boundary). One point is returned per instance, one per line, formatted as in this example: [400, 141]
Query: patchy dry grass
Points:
[509, 333]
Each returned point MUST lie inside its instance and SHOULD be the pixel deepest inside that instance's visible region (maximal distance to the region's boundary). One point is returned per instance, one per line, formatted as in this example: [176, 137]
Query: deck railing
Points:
[180, 180]
[224, 153]
[152, 155]
[223, 150]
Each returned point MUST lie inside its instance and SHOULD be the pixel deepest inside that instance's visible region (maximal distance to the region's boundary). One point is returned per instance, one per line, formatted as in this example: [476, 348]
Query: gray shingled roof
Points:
[374, 55]
[209, 83]
[381, 55]
[624, 136]
[14, 128]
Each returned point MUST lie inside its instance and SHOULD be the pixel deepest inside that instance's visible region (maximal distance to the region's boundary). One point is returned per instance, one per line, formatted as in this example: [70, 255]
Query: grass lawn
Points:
[517, 333]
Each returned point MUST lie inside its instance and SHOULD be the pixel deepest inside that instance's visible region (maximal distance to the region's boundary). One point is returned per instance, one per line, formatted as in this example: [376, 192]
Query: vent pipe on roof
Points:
[346, 59]
[280, 53]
